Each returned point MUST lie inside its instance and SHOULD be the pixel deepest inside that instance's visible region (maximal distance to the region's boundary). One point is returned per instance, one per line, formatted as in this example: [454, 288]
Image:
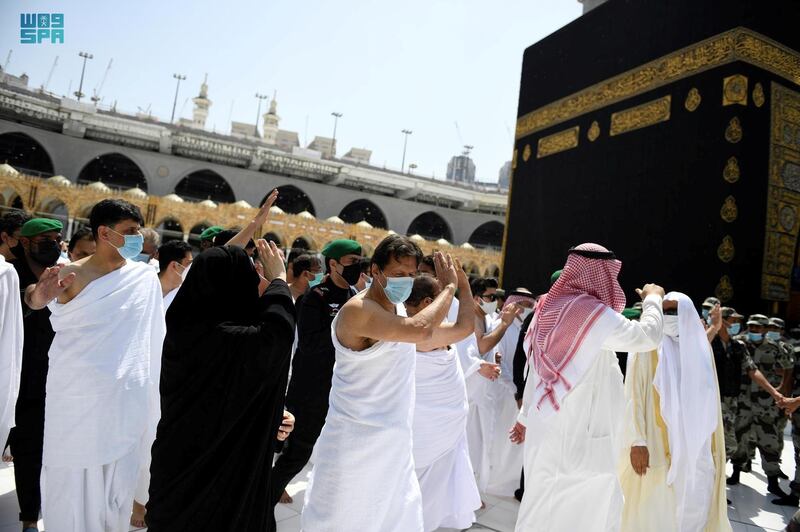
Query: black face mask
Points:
[45, 253]
[352, 273]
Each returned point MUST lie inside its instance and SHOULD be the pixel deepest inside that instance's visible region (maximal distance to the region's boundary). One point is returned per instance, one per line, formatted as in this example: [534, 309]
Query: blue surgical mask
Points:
[398, 289]
[755, 337]
[316, 280]
[141, 257]
[734, 329]
[369, 282]
[706, 313]
[132, 246]
[773, 335]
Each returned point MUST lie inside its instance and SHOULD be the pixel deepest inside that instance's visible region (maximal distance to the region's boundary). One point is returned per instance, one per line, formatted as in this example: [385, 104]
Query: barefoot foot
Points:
[137, 516]
[286, 498]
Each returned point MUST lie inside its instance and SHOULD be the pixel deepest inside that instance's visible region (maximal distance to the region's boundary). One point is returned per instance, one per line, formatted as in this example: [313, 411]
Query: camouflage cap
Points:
[777, 322]
[710, 302]
[730, 312]
[758, 319]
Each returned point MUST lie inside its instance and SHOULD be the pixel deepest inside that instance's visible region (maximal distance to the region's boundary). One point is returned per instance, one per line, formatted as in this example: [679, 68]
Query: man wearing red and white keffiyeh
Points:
[574, 402]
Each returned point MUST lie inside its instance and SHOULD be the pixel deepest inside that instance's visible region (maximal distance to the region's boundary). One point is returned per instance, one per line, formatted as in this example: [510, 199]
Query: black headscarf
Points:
[223, 375]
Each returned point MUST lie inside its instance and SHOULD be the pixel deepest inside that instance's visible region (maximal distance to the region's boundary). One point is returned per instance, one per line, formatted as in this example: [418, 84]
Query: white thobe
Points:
[571, 456]
[449, 492]
[101, 391]
[505, 458]
[11, 338]
[363, 477]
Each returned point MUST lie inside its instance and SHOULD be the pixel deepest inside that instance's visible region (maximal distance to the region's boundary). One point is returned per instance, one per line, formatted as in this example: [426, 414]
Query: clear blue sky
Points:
[417, 64]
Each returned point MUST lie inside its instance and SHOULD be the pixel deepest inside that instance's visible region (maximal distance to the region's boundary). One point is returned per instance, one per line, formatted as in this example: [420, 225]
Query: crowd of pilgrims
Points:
[147, 385]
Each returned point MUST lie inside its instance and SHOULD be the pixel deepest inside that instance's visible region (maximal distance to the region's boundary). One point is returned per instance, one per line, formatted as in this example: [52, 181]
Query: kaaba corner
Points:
[680, 152]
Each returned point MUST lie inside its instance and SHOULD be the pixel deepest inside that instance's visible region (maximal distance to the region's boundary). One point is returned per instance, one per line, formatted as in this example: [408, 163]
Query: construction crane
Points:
[8, 60]
[50, 75]
[99, 88]
[467, 150]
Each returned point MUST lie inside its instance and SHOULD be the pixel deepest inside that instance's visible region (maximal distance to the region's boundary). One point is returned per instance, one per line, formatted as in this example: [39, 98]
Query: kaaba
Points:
[670, 133]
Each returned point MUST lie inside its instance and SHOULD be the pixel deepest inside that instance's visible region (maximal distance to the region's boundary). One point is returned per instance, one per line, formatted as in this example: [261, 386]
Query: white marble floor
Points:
[750, 510]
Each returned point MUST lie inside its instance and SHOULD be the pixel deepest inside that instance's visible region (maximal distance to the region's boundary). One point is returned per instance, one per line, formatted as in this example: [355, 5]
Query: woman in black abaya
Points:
[223, 376]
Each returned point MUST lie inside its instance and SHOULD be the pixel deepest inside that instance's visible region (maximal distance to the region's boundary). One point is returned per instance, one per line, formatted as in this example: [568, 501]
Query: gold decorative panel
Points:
[758, 95]
[731, 173]
[733, 133]
[734, 90]
[693, 100]
[558, 142]
[783, 194]
[526, 153]
[739, 44]
[514, 160]
[641, 116]
[726, 251]
[729, 212]
[594, 131]
[724, 290]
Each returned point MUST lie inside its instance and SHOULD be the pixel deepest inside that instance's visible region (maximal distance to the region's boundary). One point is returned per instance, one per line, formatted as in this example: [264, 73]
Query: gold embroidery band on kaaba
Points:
[739, 44]
[643, 115]
[558, 142]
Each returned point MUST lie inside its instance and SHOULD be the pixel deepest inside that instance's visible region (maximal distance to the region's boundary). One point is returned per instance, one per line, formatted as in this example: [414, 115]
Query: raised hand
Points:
[489, 370]
[463, 280]
[287, 426]
[271, 259]
[648, 289]
[263, 212]
[445, 269]
[510, 312]
[517, 433]
[48, 287]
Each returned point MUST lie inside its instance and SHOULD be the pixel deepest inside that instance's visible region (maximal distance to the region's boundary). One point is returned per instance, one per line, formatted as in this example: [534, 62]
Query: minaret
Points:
[588, 5]
[201, 105]
[271, 120]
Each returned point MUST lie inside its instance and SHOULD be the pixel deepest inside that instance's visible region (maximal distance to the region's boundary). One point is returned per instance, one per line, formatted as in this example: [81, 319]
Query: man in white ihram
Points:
[574, 402]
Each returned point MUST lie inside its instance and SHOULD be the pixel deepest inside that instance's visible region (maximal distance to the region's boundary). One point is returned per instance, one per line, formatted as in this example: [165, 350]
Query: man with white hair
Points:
[574, 401]
[675, 476]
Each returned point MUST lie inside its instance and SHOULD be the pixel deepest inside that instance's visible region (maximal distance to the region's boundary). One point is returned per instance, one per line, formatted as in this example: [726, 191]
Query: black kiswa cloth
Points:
[224, 371]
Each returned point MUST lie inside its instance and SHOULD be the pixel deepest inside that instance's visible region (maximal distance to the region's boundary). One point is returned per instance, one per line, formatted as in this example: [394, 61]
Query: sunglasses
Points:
[490, 297]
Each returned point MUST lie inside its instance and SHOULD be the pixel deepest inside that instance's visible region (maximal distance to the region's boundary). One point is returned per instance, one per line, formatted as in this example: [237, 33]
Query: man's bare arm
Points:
[762, 381]
[488, 341]
[450, 333]
[245, 235]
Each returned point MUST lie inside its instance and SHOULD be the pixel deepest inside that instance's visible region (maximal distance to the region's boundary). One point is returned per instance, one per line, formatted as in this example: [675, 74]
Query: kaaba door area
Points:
[669, 132]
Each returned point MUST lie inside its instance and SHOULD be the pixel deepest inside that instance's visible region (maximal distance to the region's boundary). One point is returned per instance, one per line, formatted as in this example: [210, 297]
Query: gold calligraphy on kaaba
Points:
[726, 250]
[758, 95]
[693, 100]
[740, 44]
[558, 142]
[643, 115]
[526, 153]
[731, 173]
[729, 212]
[734, 90]
[594, 131]
[783, 194]
[724, 290]
[733, 133]
[514, 160]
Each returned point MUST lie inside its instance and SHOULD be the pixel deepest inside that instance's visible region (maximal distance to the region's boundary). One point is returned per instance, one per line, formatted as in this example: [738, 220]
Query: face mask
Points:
[398, 289]
[185, 270]
[706, 313]
[755, 337]
[132, 246]
[316, 280]
[352, 273]
[671, 326]
[45, 252]
[734, 329]
[369, 282]
[525, 313]
[141, 257]
[773, 335]
[488, 308]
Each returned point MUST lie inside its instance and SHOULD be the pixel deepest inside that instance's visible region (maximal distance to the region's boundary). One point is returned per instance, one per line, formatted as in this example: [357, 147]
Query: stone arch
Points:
[170, 228]
[493, 271]
[431, 226]
[305, 242]
[26, 154]
[367, 249]
[53, 205]
[115, 170]
[488, 235]
[275, 236]
[11, 196]
[205, 184]
[363, 209]
[472, 268]
[292, 200]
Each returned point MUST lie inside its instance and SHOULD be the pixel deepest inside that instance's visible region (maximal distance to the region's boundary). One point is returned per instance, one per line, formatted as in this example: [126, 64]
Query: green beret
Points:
[339, 248]
[632, 313]
[37, 226]
[211, 232]
[554, 277]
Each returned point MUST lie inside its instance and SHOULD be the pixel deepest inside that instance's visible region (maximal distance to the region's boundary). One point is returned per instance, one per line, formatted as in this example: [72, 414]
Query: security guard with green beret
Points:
[312, 366]
[758, 425]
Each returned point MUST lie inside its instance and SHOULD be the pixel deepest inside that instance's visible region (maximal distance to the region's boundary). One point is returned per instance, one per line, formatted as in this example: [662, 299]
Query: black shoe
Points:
[774, 487]
[783, 475]
[790, 500]
[518, 494]
[747, 467]
[734, 478]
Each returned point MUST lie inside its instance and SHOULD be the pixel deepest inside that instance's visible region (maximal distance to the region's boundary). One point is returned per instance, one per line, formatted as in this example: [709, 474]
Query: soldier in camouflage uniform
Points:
[763, 415]
[733, 363]
[794, 498]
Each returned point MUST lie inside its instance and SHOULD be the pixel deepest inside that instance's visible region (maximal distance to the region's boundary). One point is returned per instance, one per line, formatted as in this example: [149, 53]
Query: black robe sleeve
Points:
[520, 359]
